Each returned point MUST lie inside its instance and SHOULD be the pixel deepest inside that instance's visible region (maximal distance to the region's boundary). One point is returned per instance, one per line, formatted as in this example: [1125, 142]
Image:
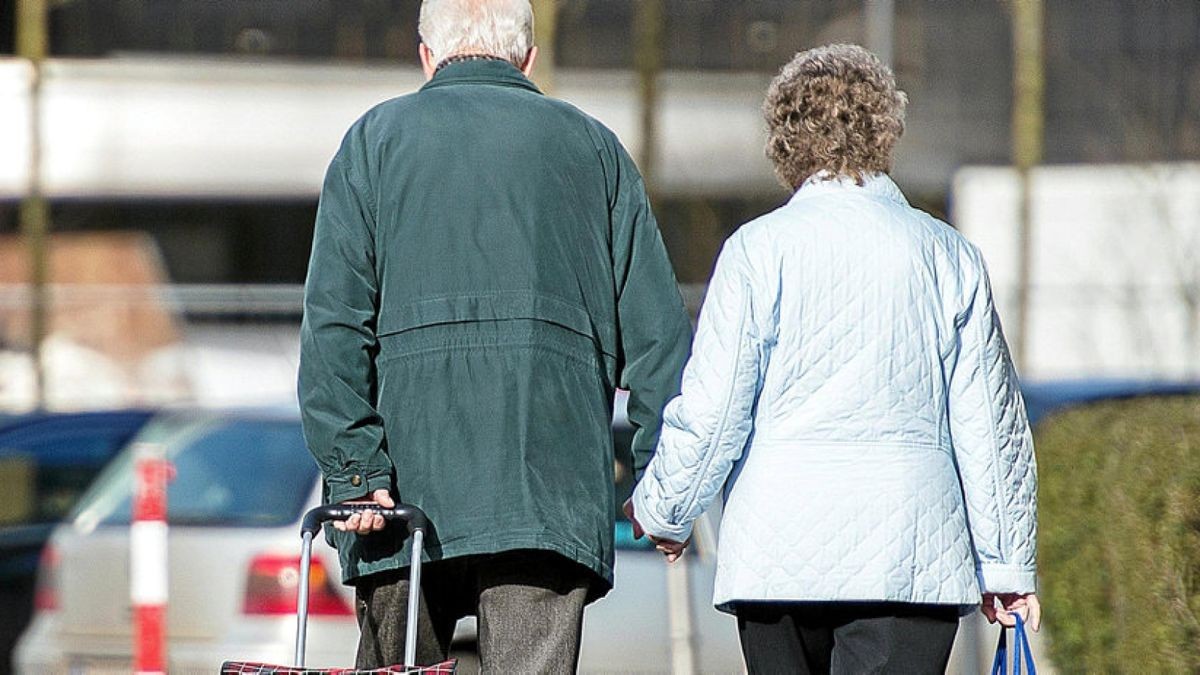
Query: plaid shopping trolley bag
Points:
[416, 523]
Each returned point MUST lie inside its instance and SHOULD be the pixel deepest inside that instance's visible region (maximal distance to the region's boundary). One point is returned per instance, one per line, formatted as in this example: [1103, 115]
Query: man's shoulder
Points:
[556, 115]
[571, 116]
[571, 111]
[375, 121]
[393, 109]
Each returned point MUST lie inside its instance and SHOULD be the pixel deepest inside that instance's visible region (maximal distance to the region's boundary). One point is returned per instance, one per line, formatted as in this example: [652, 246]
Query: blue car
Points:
[1043, 398]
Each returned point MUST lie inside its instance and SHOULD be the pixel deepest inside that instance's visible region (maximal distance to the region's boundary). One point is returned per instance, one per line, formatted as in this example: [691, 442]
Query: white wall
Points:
[1115, 265]
[205, 127]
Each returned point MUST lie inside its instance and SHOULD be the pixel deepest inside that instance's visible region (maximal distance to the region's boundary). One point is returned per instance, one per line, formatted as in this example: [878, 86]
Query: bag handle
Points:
[1021, 651]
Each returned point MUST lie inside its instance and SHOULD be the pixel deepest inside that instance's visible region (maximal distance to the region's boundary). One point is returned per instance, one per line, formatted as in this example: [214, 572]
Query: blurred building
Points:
[207, 125]
[1114, 284]
[1123, 83]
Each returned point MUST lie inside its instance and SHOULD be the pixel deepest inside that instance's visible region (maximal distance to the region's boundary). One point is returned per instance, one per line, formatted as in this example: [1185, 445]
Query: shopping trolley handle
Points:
[413, 517]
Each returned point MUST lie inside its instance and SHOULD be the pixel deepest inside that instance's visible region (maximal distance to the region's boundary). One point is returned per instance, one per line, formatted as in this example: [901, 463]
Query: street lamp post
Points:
[880, 29]
[545, 14]
[649, 29]
[1029, 82]
[32, 44]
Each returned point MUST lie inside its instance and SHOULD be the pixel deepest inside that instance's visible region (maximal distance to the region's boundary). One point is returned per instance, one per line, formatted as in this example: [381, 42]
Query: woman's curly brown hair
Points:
[835, 109]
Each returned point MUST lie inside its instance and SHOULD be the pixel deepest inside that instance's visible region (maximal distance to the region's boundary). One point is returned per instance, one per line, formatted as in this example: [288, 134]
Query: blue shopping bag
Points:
[1021, 651]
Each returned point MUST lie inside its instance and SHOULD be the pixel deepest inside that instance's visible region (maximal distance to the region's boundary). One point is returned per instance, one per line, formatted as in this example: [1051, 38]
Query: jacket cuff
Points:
[355, 482]
[654, 526]
[1000, 578]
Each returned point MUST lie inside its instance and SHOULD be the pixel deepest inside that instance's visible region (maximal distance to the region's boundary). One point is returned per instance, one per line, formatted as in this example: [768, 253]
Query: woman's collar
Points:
[824, 182]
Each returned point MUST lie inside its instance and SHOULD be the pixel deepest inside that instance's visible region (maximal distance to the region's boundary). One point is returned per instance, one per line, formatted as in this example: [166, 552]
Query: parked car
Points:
[1043, 398]
[46, 462]
[243, 481]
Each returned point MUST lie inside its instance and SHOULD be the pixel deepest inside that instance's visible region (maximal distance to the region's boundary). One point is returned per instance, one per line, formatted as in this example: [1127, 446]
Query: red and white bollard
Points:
[148, 557]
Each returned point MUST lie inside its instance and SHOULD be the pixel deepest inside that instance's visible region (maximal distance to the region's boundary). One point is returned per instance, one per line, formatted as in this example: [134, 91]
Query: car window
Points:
[44, 468]
[232, 473]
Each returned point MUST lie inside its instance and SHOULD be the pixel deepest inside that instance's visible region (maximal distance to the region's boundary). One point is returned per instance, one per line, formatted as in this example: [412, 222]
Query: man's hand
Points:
[669, 548]
[367, 521]
[1011, 604]
[638, 532]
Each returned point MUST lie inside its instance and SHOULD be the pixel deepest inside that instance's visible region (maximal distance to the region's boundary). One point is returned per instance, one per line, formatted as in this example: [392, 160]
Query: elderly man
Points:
[485, 272]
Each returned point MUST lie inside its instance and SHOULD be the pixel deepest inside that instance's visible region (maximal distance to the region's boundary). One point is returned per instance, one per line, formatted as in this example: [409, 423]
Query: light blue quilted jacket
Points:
[851, 390]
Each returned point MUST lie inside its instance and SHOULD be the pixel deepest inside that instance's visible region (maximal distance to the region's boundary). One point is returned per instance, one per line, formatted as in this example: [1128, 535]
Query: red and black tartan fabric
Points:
[249, 668]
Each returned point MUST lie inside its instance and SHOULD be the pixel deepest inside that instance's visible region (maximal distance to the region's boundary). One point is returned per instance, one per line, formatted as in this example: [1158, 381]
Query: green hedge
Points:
[1119, 536]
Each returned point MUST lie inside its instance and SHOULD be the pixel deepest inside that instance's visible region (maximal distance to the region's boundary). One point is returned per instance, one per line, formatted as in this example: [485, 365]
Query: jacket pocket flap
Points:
[496, 306]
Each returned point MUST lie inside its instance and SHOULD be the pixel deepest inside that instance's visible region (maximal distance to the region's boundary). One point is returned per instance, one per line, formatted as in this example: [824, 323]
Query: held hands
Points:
[367, 521]
[671, 549]
[1011, 604]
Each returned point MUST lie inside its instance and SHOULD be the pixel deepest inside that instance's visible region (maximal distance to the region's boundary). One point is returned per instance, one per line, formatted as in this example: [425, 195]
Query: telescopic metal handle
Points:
[413, 517]
[416, 522]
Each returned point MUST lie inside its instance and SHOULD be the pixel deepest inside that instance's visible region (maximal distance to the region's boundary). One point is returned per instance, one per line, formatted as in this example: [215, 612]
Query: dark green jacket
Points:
[485, 271]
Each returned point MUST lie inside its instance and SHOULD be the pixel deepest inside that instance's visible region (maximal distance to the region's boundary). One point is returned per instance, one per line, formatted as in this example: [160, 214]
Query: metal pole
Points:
[148, 556]
[880, 18]
[302, 599]
[32, 44]
[650, 36]
[679, 607]
[649, 30]
[414, 598]
[1027, 137]
[546, 24]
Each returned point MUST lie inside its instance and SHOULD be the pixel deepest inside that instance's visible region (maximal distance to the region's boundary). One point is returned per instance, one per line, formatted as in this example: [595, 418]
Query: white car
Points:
[243, 481]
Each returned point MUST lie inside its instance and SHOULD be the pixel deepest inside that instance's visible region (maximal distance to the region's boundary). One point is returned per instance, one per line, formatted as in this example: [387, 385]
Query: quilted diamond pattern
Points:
[851, 389]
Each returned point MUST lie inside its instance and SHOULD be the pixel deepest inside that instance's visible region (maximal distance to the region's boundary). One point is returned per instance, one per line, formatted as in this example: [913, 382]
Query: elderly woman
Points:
[851, 391]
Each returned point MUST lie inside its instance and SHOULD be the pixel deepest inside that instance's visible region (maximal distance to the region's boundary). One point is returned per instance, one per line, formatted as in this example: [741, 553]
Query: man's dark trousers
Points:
[529, 604]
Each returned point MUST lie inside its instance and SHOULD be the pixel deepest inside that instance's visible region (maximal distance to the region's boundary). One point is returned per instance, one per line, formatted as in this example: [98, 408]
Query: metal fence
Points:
[159, 345]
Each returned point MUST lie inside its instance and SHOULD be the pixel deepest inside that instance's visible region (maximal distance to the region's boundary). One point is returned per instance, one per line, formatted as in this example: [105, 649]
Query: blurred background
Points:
[181, 144]
[160, 162]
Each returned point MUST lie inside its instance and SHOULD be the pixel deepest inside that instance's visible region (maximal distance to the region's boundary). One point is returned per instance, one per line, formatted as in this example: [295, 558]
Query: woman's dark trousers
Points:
[846, 637]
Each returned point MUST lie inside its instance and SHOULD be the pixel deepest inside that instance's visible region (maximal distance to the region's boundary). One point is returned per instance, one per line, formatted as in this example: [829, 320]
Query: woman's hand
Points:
[669, 548]
[1026, 605]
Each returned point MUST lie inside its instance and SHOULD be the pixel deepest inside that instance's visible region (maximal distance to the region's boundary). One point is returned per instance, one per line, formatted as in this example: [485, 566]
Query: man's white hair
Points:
[500, 28]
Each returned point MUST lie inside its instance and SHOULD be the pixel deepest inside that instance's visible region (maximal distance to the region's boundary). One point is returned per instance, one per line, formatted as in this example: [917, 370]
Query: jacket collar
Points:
[500, 73]
[878, 184]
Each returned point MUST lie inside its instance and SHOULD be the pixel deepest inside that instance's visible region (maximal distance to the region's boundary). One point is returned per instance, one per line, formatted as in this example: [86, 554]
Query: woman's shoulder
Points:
[761, 231]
